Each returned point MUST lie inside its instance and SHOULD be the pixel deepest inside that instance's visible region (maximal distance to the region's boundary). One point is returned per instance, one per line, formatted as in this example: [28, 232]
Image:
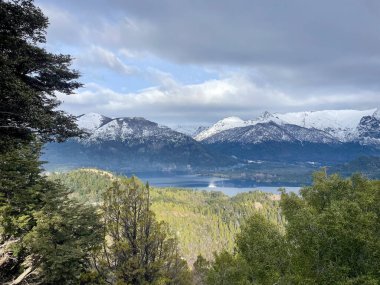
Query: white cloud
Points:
[204, 102]
[97, 56]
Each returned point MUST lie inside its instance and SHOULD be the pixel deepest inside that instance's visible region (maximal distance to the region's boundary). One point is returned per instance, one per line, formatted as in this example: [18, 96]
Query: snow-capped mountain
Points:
[222, 125]
[273, 132]
[91, 121]
[129, 130]
[340, 125]
[133, 144]
[136, 144]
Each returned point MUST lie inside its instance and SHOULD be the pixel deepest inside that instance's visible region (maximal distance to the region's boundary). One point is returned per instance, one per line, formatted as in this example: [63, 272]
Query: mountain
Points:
[271, 131]
[129, 130]
[130, 144]
[222, 125]
[327, 137]
[368, 129]
[91, 121]
[341, 125]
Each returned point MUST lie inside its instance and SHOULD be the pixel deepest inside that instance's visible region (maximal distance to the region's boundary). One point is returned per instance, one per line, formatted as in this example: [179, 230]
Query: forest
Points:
[204, 222]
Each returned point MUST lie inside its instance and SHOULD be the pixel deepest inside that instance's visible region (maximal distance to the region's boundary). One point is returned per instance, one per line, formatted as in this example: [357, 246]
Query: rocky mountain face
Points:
[136, 144]
[131, 131]
[271, 132]
[369, 128]
[330, 126]
[131, 144]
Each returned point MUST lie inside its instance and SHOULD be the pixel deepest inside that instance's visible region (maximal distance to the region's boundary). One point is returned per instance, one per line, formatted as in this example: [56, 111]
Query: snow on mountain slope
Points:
[222, 125]
[345, 119]
[133, 130]
[271, 131]
[368, 129]
[91, 121]
[327, 126]
[132, 143]
[340, 124]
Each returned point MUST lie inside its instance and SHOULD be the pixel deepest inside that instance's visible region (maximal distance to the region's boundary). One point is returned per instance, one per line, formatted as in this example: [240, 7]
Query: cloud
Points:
[258, 55]
[101, 58]
[311, 44]
[205, 102]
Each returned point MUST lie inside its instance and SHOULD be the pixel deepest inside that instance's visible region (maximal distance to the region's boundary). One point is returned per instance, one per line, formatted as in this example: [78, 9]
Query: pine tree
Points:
[137, 248]
[30, 77]
[45, 237]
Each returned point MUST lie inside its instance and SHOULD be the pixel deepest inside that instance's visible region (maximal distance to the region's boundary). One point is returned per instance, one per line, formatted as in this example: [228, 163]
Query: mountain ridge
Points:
[137, 144]
[342, 125]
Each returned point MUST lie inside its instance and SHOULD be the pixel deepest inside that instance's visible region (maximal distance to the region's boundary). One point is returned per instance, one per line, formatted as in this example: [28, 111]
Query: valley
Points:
[204, 221]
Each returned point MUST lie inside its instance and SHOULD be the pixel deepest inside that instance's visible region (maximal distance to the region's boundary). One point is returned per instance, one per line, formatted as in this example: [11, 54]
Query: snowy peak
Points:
[369, 128]
[91, 121]
[235, 122]
[271, 132]
[266, 116]
[133, 130]
[341, 125]
[344, 119]
[222, 125]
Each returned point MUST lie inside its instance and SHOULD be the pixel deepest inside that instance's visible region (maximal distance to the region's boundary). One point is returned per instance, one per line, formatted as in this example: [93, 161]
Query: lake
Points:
[229, 187]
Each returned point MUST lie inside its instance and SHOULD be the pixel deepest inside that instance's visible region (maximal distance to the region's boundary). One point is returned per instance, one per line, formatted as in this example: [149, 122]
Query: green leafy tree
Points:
[264, 248]
[228, 269]
[45, 237]
[331, 236]
[334, 227]
[21, 190]
[60, 242]
[137, 248]
[201, 269]
[30, 77]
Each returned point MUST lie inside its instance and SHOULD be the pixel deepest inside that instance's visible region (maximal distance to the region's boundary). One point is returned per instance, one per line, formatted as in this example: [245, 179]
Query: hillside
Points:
[205, 222]
[367, 165]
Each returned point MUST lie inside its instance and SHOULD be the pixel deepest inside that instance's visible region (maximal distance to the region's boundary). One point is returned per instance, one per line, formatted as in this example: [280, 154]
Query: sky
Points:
[194, 62]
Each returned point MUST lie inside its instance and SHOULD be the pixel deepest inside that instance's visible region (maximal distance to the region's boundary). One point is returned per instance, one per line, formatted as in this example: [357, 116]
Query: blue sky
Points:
[194, 62]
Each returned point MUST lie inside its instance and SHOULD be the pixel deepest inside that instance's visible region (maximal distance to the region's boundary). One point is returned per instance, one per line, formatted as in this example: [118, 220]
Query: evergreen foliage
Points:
[45, 237]
[331, 237]
[261, 245]
[228, 269]
[334, 231]
[30, 77]
[204, 222]
[137, 249]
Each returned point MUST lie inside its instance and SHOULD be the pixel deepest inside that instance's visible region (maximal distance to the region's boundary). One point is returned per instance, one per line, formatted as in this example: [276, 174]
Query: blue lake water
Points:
[227, 186]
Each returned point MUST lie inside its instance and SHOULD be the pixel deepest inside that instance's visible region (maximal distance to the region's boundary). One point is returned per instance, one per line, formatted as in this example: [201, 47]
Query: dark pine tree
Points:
[30, 78]
[45, 237]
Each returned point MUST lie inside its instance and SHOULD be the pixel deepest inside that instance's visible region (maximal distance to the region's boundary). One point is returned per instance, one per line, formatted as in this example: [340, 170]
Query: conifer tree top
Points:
[31, 77]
